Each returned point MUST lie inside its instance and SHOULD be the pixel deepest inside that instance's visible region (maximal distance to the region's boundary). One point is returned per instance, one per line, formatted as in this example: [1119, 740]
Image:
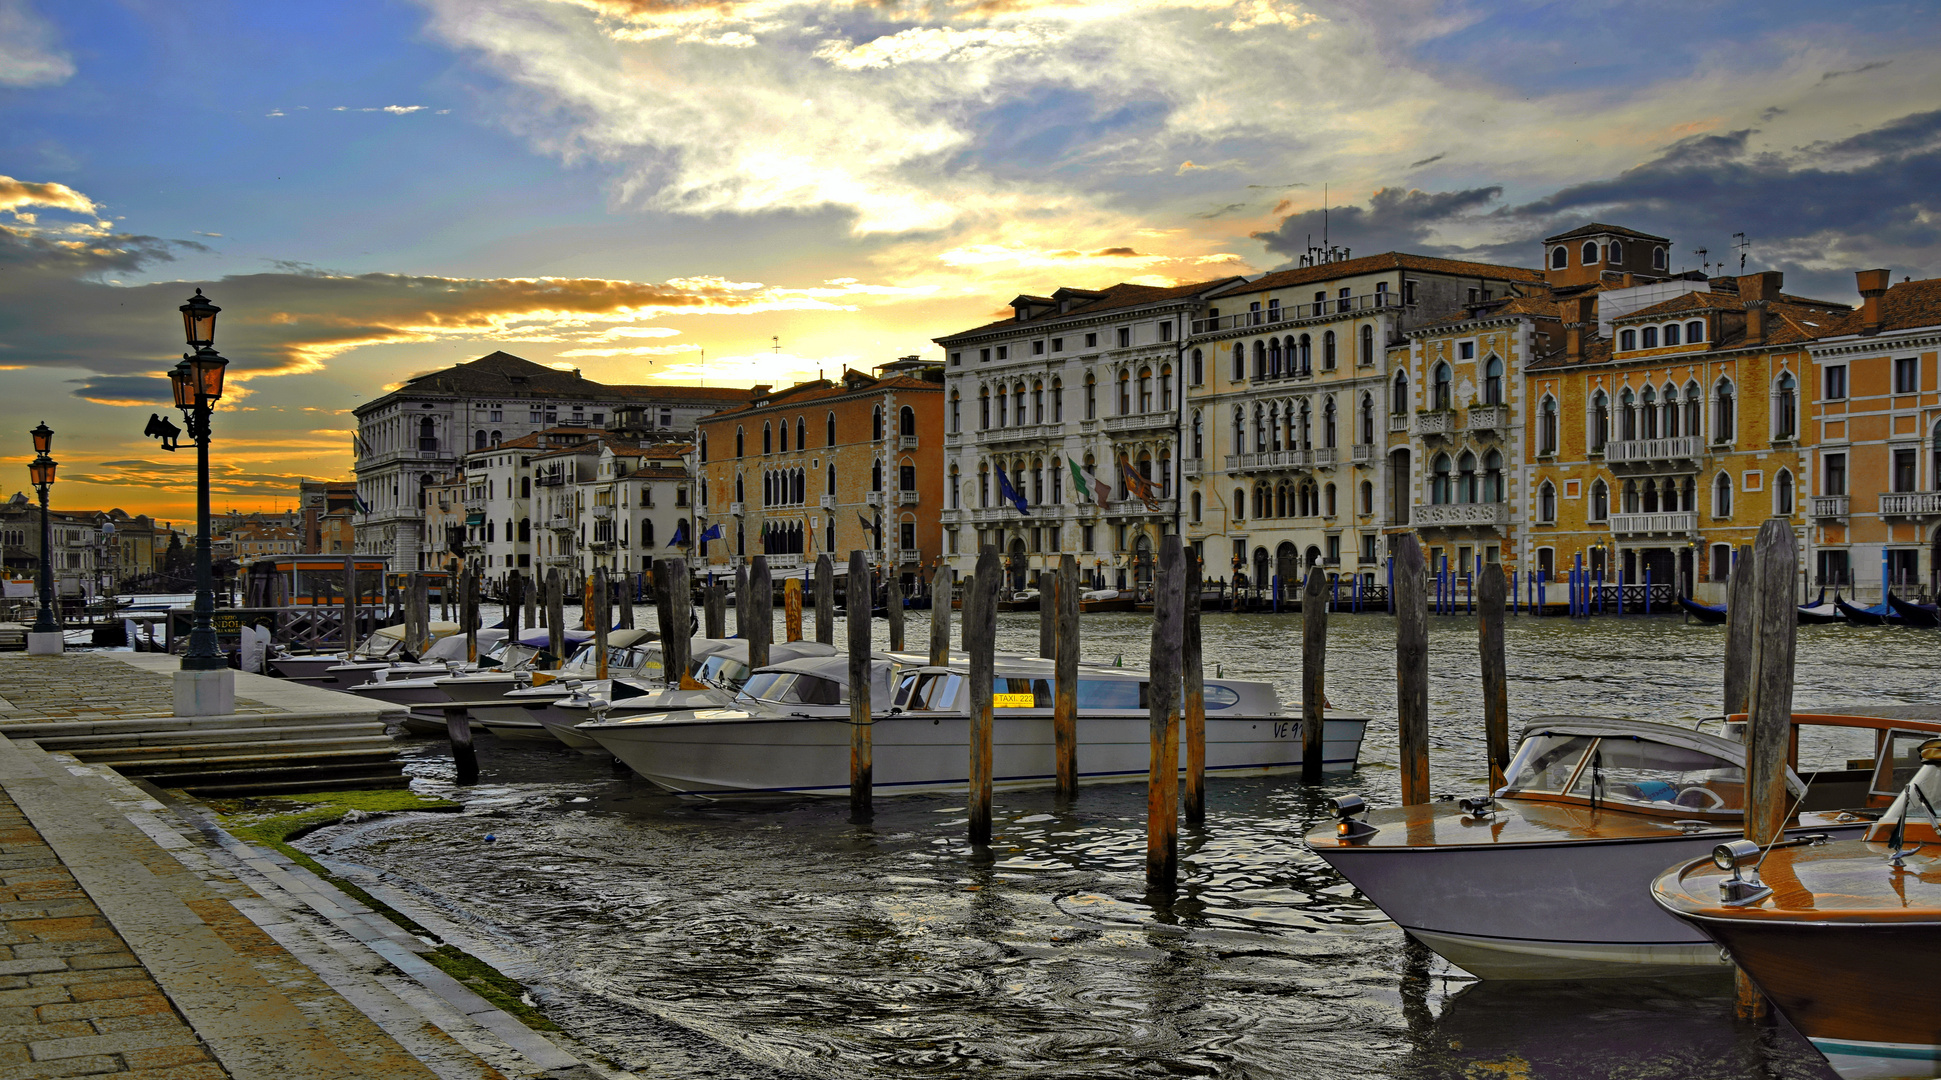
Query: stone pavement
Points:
[91, 686]
[73, 1000]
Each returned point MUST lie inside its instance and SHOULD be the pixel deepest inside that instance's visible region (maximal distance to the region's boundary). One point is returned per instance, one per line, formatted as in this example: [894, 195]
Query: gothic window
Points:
[1493, 381]
[1439, 483]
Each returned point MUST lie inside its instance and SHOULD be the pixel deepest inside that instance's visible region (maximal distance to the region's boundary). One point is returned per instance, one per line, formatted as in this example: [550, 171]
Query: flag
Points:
[1136, 483]
[1101, 490]
[358, 442]
[712, 532]
[874, 530]
[362, 506]
[1007, 492]
[680, 534]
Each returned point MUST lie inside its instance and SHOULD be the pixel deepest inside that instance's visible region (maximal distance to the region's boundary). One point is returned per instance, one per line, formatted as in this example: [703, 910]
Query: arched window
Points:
[955, 494]
[740, 493]
[1547, 502]
[1695, 332]
[1671, 333]
[704, 446]
[1658, 261]
[907, 422]
[983, 483]
[1439, 483]
[1017, 401]
[1722, 495]
[956, 400]
[525, 530]
[1196, 506]
[1239, 431]
[1145, 389]
[1694, 410]
[1367, 418]
[1590, 252]
[1672, 414]
[1559, 257]
[1367, 497]
[495, 438]
[876, 422]
[739, 448]
[1327, 351]
[801, 487]
[1239, 362]
[646, 533]
[1307, 424]
[1199, 436]
[829, 427]
[1003, 406]
[1627, 340]
[1239, 502]
[1785, 408]
[525, 487]
[1600, 421]
[876, 475]
[1166, 388]
[1057, 401]
[1627, 415]
[1632, 504]
[427, 434]
[478, 439]
[1783, 494]
[829, 478]
[1442, 392]
[1648, 414]
[1327, 424]
[1648, 337]
[1260, 428]
[1367, 346]
[1616, 252]
[801, 434]
[1306, 361]
[1466, 478]
[1037, 402]
[491, 532]
[1600, 501]
[1724, 418]
[1057, 482]
[1398, 394]
[1260, 360]
[984, 408]
[1091, 396]
[1125, 392]
[1274, 357]
[1327, 501]
[1493, 380]
[1198, 370]
[768, 439]
[1493, 477]
[1547, 425]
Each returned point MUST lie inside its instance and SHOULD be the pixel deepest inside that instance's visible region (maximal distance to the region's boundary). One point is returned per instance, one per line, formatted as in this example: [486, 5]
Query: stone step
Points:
[226, 762]
[42, 729]
[302, 776]
[81, 744]
[354, 782]
[137, 756]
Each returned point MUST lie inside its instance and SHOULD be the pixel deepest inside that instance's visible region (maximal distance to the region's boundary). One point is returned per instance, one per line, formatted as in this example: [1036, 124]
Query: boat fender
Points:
[1352, 829]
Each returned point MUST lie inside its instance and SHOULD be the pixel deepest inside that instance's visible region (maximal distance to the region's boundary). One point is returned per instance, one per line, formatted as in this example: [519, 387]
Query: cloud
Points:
[18, 193]
[1862, 69]
[1187, 167]
[29, 54]
[402, 110]
[1427, 161]
[1395, 219]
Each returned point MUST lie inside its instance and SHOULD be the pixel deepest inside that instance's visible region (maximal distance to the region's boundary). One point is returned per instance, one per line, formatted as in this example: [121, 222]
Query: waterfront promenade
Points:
[138, 939]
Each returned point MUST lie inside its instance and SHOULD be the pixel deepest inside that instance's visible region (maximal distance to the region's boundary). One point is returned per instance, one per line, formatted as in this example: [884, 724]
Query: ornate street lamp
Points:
[41, 472]
[197, 382]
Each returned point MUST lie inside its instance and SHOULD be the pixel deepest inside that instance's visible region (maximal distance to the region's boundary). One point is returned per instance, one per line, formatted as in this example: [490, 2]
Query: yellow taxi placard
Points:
[1012, 701]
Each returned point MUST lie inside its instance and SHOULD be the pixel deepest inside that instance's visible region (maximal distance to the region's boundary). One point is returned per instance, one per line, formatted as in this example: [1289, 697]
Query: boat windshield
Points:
[933, 691]
[1546, 762]
[639, 662]
[516, 656]
[379, 646]
[1632, 770]
[792, 688]
[722, 671]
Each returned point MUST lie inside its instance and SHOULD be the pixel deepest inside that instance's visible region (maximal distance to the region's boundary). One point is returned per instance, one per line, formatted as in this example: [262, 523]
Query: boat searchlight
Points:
[1737, 856]
[1481, 806]
[1351, 829]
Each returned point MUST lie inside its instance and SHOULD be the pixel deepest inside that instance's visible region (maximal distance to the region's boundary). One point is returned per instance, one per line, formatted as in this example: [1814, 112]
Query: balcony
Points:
[1682, 448]
[1398, 422]
[953, 438]
[906, 442]
[735, 509]
[827, 502]
[1020, 433]
[1458, 515]
[1828, 506]
[474, 506]
[906, 498]
[1322, 457]
[1489, 417]
[1142, 422]
[602, 512]
[1679, 523]
[1274, 316]
[1364, 453]
[560, 523]
[1128, 507]
[1189, 467]
[784, 562]
[1438, 424]
[1910, 504]
[873, 498]
[1270, 459]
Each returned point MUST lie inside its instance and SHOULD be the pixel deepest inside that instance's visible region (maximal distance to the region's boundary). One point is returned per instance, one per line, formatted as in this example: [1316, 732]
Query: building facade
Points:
[853, 464]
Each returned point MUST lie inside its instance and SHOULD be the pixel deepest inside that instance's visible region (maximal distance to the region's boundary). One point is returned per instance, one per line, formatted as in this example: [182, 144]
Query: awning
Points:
[475, 519]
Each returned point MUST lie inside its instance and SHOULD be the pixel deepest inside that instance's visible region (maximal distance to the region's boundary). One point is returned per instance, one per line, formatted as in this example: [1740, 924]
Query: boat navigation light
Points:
[1737, 856]
[1351, 829]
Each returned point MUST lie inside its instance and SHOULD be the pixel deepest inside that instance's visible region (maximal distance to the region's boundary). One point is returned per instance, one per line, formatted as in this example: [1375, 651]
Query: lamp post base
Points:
[205, 693]
[50, 643]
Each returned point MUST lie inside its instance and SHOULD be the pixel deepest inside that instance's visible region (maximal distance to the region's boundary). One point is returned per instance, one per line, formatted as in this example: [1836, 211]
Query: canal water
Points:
[780, 939]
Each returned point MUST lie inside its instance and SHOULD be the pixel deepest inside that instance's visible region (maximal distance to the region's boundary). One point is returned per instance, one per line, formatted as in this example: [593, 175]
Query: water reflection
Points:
[783, 939]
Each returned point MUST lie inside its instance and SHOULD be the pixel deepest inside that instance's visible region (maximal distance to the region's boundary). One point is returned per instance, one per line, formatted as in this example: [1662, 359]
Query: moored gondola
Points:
[1820, 611]
[1913, 614]
[1708, 614]
[1878, 615]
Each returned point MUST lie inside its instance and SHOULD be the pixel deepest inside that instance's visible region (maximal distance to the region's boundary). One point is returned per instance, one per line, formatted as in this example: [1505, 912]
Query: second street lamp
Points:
[41, 472]
[197, 382]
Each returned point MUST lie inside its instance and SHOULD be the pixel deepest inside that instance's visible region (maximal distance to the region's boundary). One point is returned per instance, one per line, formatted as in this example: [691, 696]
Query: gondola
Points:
[1708, 614]
[1878, 615]
[1819, 612]
[1913, 614]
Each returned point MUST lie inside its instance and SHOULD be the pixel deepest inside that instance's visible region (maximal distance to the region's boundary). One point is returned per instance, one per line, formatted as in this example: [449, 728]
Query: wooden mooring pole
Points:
[825, 599]
[555, 616]
[1412, 668]
[674, 592]
[940, 616]
[743, 612]
[893, 606]
[1314, 673]
[761, 614]
[1740, 617]
[980, 641]
[602, 618]
[626, 602]
[1193, 673]
[1162, 780]
[862, 757]
[421, 609]
[664, 616]
[1496, 679]
[532, 590]
[1048, 616]
[792, 609]
[350, 603]
[1769, 701]
[714, 609]
[1064, 700]
[469, 610]
[515, 588]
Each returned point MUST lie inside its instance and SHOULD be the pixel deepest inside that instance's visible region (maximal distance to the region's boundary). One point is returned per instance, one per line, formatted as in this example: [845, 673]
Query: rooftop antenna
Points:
[1739, 241]
[1704, 260]
[1324, 215]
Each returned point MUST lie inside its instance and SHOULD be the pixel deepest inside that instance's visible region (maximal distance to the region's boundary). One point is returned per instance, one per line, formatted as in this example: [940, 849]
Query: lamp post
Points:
[41, 472]
[197, 381]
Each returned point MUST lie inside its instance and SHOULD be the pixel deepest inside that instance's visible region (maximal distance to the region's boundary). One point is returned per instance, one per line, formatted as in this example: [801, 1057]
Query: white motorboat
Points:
[788, 731]
[386, 643]
[718, 667]
[514, 713]
[1550, 878]
[419, 685]
[445, 651]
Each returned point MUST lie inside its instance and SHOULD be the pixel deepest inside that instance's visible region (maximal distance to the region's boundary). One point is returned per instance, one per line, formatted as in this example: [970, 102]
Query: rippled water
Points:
[783, 940]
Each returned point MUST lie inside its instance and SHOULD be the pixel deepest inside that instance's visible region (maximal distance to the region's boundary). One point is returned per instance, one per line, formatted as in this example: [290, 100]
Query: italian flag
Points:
[1089, 487]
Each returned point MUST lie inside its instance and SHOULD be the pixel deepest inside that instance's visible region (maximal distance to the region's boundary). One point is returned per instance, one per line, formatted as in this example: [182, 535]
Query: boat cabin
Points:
[1029, 684]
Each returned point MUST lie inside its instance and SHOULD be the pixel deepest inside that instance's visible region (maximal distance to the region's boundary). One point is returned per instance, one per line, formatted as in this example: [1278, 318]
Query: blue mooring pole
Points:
[1647, 588]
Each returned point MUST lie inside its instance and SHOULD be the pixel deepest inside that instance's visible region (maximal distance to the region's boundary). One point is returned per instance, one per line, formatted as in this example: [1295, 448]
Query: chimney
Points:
[1757, 292]
[1580, 317]
[1873, 285]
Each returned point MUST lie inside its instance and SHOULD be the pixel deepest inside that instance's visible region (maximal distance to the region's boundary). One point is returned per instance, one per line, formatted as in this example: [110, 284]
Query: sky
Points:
[744, 191]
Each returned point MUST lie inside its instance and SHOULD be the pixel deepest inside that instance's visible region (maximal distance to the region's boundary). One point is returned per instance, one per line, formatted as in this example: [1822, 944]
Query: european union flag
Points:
[1006, 491]
[680, 534]
[712, 532]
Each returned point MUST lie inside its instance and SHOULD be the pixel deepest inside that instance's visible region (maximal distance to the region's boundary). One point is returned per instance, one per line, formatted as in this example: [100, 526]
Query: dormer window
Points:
[1627, 340]
[1590, 252]
[1658, 258]
[1559, 257]
[1615, 253]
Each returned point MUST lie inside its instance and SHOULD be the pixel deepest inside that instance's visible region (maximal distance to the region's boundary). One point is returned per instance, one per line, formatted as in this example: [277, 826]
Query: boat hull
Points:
[1863, 993]
[306, 668]
[1543, 910]
[913, 753]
